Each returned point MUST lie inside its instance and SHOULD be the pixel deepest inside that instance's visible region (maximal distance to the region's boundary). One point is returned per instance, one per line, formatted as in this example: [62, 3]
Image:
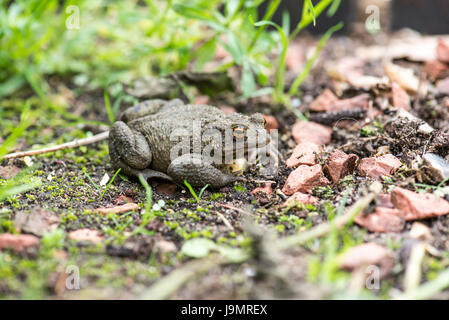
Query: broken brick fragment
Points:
[326, 98]
[166, 188]
[384, 200]
[8, 172]
[300, 198]
[18, 242]
[368, 254]
[328, 102]
[228, 109]
[304, 179]
[264, 193]
[443, 51]
[443, 86]
[382, 220]
[400, 97]
[435, 69]
[202, 100]
[86, 235]
[340, 165]
[307, 131]
[418, 206]
[303, 153]
[123, 199]
[271, 122]
[381, 166]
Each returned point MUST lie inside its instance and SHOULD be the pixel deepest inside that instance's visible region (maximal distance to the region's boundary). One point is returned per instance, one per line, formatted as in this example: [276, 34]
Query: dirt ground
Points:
[133, 250]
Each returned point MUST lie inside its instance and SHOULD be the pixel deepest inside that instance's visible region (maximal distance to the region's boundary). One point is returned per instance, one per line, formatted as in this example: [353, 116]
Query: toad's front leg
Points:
[197, 172]
[130, 146]
[130, 151]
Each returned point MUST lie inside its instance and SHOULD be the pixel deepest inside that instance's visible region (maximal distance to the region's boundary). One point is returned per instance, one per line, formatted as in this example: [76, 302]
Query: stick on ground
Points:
[71, 144]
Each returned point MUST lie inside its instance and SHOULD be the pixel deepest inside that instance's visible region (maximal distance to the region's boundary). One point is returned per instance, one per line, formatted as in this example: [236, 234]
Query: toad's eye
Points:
[239, 132]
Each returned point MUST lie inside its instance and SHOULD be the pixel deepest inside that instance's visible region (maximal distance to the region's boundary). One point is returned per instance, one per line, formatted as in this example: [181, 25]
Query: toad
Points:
[175, 141]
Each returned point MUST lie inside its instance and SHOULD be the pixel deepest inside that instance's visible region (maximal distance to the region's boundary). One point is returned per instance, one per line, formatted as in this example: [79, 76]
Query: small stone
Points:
[271, 123]
[8, 172]
[166, 188]
[18, 242]
[295, 57]
[118, 209]
[326, 98]
[28, 161]
[418, 206]
[202, 100]
[123, 199]
[384, 200]
[400, 97]
[403, 76]
[340, 165]
[443, 51]
[86, 235]
[165, 246]
[382, 220]
[443, 86]
[37, 222]
[104, 180]
[303, 153]
[435, 69]
[300, 198]
[368, 254]
[438, 167]
[381, 166]
[264, 193]
[357, 102]
[307, 131]
[228, 109]
[304, 179]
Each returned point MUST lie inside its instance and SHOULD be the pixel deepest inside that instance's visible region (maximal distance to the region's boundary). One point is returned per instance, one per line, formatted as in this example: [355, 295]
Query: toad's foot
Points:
[197, 172]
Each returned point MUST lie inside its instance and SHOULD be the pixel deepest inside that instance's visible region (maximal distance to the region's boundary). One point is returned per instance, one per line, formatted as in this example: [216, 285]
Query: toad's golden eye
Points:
[239, 132]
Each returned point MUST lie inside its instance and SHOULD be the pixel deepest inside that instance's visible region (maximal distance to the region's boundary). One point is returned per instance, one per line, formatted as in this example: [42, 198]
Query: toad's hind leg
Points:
[146, 173]
[197, 172]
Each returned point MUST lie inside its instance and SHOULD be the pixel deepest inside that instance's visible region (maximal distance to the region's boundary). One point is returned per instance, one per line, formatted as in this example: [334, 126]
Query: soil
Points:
[126, 262]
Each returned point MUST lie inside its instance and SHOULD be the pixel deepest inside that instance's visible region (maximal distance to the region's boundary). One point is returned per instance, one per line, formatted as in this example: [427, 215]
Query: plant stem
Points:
[268, 15]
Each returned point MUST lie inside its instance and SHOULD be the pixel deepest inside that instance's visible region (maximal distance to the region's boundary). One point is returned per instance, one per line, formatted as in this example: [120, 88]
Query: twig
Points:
[412, 276]
[168, 285]
[225, 221]
[428, 289]
[337, 223]
[231, 207]
[71, 144]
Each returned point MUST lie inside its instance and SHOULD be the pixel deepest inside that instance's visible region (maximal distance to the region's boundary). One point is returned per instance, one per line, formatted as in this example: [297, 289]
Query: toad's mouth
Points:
[248, 145]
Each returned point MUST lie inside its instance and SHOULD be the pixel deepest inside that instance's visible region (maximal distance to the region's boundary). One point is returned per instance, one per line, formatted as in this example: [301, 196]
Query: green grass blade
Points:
[110, 182]
[149, 194]
[107, 104]
[202, 191]
[305, 72]
[192, 191]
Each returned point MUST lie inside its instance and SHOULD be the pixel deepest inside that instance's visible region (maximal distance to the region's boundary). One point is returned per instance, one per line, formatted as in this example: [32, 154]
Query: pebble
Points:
[381, 166]
[418, 206]
[304, 179]
[307, 131]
